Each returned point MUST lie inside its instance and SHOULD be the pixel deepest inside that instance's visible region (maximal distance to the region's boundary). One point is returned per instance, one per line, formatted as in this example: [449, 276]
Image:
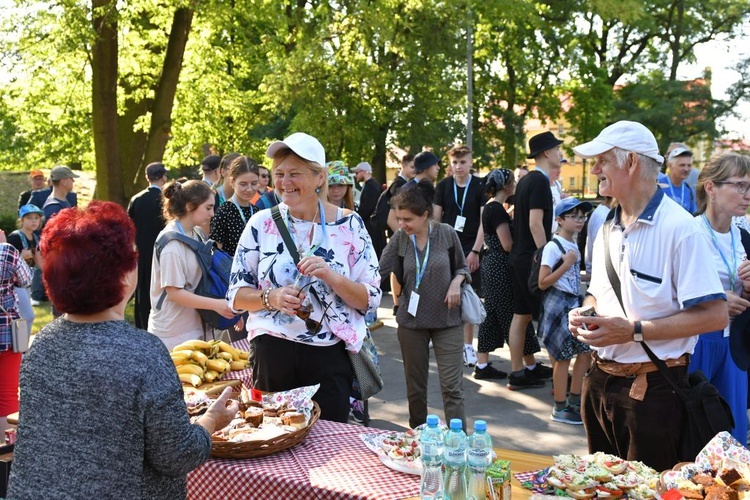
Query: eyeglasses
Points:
[741, 186]
[577, 218]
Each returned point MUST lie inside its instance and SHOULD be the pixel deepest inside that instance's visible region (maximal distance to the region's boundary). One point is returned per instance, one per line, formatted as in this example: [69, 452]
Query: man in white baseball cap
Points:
[663, 292]
[675, 180]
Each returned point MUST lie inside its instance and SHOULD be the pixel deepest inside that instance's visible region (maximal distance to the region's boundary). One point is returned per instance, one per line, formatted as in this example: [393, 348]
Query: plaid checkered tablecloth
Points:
[331, 463]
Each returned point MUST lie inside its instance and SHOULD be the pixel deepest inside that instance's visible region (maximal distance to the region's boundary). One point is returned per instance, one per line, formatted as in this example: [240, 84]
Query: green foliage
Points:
[360, 75]
[673, 110]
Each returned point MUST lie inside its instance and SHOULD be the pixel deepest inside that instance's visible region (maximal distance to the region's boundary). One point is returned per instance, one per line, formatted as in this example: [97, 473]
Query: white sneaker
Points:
[470, 356]
[34, 302]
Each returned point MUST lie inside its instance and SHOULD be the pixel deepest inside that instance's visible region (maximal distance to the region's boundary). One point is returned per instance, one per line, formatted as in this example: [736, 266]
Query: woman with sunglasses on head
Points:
[427, 260]
[723, 192]
[176, 272]
[305, 311]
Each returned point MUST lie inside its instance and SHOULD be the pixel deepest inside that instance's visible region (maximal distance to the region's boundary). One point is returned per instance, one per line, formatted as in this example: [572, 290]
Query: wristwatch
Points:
[475, 251]
[637, 332]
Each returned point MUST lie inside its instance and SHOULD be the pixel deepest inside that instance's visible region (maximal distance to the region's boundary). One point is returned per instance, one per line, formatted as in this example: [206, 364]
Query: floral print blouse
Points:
[262, 261]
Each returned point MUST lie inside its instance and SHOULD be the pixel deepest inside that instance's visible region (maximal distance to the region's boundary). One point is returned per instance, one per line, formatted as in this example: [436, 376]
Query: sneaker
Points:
[375, 325]
[470, 356]
[489, 372]
[356, 412]
[566, 416]
[35, 302]
[540, 372]
[516, 383]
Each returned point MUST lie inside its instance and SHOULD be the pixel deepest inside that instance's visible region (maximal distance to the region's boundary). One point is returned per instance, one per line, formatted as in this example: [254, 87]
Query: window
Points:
[572, 183]
[560, 129]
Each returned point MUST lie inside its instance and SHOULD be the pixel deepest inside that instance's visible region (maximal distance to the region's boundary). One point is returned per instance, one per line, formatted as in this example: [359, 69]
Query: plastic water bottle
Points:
[479, 459]
[455, 462]
[431, 454]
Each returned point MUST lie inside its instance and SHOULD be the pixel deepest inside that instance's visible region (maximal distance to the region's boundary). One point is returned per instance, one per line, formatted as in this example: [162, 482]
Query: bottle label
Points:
[478, 453]
[454, 454]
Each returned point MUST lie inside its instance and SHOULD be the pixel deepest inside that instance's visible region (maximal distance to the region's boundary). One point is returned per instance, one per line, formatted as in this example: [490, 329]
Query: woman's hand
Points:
[743, 272]
[316, 267]
[453, 297]
[240, 324]
[736, 304]
[286, 299]
[219, 414]
[27, 254]
[223, 309]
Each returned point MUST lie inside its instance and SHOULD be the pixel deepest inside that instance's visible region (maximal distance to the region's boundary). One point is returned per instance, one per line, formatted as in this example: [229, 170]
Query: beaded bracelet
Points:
[264, 299]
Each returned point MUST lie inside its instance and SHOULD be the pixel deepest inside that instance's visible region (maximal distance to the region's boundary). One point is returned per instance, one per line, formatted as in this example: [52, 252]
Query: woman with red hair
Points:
[98, 396]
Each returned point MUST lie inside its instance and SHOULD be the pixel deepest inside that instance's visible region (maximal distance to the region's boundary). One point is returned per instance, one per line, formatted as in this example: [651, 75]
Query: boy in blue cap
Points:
[560, 278]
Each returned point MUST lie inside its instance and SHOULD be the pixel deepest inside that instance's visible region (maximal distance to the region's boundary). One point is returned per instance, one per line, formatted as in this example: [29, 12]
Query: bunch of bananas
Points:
[198, 361]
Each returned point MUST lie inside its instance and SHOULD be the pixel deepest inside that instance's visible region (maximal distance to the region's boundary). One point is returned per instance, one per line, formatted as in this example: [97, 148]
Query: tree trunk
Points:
[379, 156]
[161, 110]
[104, 69]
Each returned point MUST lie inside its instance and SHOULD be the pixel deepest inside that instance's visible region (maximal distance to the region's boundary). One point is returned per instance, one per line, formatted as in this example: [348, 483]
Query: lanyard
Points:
[239, 209]
[323, 228]
[222, 195]
[179, 226]
[731, 270]
[455, 194]
[421, 267]
[682, 191]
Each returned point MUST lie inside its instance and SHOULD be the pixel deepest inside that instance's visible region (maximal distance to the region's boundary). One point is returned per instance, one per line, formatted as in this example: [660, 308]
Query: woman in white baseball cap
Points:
[307, 274]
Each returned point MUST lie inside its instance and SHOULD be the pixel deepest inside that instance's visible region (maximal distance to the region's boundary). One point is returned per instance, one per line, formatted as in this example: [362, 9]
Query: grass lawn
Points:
[43, 315]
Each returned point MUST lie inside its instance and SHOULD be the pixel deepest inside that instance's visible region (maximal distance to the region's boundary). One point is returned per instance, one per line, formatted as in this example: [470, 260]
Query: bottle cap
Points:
[456, 424]
[432, 420]
[480, 425]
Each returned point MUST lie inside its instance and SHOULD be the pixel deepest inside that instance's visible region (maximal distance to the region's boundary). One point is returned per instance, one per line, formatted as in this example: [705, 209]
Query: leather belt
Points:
[637, 371]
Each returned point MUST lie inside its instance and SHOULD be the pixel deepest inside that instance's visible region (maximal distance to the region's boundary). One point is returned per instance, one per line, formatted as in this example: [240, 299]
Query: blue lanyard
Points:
[731, 270]
[682, 191]
[455, 194]
[421, 267]
[239, 209]
[179, 226]
[323, 228]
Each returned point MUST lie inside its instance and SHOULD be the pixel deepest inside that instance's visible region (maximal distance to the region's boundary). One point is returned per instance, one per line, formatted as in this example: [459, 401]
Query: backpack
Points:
[536, 265]
[215, 267]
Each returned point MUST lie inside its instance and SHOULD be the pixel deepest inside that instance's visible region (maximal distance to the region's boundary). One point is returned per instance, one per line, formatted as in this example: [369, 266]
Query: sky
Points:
[721, 56]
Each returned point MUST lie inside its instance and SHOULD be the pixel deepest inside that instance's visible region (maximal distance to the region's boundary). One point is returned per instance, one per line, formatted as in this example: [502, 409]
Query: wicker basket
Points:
[224, 449]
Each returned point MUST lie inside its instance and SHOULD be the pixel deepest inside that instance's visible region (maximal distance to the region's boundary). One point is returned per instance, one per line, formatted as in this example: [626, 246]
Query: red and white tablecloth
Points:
[332, 463]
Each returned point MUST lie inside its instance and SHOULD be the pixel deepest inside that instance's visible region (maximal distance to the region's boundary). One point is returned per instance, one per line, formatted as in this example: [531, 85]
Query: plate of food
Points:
[597, 475]
[397, 450]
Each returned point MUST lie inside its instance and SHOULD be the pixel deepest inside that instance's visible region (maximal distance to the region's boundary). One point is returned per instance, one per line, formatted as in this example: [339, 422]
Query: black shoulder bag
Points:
[367, 378]
[706, 412]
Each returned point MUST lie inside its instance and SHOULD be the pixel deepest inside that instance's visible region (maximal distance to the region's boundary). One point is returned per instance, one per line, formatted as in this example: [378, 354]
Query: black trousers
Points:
[647, 430]
[280, 365]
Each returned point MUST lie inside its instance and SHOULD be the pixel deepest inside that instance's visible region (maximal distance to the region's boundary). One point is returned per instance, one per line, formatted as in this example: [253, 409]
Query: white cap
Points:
[304, 145]
[630, 136]
[362, 167]
[679, 152]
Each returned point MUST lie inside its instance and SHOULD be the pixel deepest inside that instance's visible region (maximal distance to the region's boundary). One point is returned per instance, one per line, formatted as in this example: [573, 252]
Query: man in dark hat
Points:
[532, 229]
[210, 168]
[145, 211]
